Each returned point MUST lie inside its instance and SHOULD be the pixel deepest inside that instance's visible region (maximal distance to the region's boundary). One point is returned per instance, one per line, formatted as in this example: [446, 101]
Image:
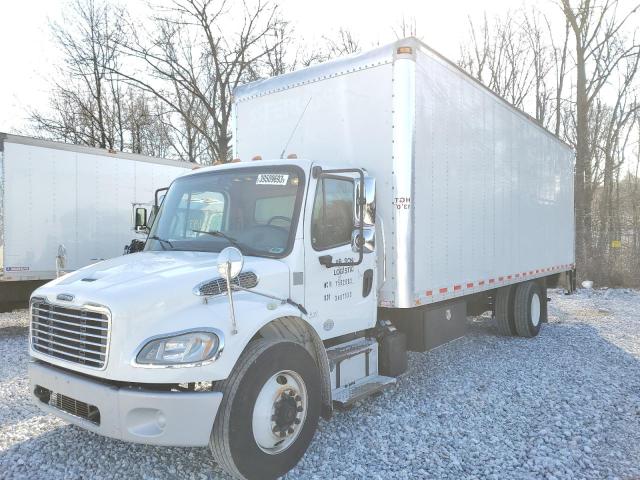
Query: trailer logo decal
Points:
[272, 179]
[402, 203]
[16, 269]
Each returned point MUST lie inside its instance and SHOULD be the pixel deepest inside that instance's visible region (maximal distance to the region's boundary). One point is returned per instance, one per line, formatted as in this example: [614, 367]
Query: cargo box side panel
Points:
[345, 118]
[108, 188]
[1, 206]
[495, 203]
[72, 198]
[37, 212]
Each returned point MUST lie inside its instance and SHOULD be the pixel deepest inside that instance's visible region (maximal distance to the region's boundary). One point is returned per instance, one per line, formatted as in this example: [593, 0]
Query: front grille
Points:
[219, 285]
[68, 404]
[73, 334]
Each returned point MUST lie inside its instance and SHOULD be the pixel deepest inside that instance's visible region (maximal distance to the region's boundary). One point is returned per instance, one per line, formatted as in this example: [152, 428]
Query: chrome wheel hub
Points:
[279, 412]
[535, 310]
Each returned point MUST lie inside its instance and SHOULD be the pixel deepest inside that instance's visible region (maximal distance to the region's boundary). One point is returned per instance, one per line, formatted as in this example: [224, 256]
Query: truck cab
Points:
[242, 307]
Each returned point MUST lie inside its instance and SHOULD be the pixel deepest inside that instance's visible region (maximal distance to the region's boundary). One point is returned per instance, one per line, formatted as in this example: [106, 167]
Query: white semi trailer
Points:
[271, 289]
[63, 207]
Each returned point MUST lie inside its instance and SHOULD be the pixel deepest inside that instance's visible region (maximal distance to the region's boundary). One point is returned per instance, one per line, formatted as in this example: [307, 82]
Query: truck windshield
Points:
[254, 208]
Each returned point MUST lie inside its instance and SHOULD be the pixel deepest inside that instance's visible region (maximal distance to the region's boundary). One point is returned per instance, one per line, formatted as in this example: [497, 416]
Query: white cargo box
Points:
[79, 199]
[471, 192]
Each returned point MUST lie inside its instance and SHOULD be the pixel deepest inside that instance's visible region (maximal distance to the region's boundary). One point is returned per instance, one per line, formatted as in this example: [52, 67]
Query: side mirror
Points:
[369, 207]
[366, 241]
[230, 263]
[140, 219]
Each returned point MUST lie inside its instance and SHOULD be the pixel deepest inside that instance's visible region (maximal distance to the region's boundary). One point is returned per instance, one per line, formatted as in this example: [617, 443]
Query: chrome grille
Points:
[78, 335]
[219, 285]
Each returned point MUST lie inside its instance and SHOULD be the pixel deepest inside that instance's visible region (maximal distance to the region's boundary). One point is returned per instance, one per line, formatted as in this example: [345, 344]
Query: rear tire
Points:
[503, 310]
[529, 309]
[282, 375]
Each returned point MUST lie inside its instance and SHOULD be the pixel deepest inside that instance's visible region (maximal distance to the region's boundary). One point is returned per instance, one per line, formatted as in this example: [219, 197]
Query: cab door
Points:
[340, 298]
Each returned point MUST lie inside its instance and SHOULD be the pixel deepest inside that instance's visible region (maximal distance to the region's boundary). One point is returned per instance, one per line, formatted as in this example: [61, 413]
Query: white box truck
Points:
[63, 207]
[271, 288]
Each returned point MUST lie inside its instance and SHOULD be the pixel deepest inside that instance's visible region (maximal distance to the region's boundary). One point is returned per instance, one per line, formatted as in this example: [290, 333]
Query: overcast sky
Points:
[29, 54]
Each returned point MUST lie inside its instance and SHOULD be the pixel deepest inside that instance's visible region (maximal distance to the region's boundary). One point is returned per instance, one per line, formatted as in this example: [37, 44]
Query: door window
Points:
[332, 219]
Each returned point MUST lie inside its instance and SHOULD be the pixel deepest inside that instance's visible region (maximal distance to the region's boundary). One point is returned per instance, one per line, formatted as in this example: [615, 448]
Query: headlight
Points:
[185, 348]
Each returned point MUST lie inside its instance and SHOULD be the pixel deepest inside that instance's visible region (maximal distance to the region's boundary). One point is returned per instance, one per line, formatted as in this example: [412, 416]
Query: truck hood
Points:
[147, 275]
[151, 293]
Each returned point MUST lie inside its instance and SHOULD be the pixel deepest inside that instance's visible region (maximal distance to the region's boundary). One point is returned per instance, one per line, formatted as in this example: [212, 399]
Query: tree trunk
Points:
[583, 223]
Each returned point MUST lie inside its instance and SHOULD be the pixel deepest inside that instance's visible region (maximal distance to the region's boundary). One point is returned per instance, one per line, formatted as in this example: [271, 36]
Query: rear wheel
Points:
[269, 412]
[529, 309]
[503, 310]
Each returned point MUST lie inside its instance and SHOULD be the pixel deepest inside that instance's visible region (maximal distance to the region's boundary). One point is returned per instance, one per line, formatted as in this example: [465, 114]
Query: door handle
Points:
[326, 260]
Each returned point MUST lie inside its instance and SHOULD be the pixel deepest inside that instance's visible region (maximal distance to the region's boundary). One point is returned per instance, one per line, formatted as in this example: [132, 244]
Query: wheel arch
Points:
[297, 329]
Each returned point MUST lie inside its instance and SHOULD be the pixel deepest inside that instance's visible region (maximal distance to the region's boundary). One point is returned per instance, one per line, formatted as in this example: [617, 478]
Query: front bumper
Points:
[143, 416]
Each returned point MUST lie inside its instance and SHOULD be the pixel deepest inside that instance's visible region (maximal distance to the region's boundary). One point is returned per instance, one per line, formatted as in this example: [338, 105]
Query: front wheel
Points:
[269, 411]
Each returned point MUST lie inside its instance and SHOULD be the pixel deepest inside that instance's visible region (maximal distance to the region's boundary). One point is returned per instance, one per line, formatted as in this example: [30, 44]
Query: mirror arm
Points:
[272, 297]
[232, 310]
[157, 201]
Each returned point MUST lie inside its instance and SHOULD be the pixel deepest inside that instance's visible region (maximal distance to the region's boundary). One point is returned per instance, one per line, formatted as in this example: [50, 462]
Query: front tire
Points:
[529, 309]
[269, 411]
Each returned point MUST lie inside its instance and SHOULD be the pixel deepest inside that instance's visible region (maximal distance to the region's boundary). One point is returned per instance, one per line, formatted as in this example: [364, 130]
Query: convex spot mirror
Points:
[369, 207]
[366, 241]
[140, 218]
[230, 262]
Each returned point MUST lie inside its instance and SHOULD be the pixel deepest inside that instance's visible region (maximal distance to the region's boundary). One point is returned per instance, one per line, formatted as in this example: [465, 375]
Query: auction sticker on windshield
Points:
[272, 179]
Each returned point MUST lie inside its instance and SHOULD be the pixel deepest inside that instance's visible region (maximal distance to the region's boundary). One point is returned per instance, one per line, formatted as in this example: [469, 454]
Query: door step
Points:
[351, 349]
[350, 394]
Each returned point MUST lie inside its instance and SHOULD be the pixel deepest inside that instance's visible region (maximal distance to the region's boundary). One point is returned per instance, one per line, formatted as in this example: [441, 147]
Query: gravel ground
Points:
[563, 405]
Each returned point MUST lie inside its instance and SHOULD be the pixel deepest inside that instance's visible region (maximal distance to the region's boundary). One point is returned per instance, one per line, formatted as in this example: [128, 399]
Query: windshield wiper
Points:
[228, 238]
[162, 241]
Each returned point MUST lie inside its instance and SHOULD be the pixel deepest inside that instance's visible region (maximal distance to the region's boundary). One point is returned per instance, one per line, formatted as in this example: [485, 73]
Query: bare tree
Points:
[407, 28]
[499, 56]
[89, 48]
[596, 28]
[560, 66]
[190, 50]
[90, 105]
[343, 44]
[474, 55]
[542, 60]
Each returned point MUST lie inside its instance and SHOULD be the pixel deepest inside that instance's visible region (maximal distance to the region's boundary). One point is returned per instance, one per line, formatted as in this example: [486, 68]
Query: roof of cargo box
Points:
[38, 142]
[356, 62]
